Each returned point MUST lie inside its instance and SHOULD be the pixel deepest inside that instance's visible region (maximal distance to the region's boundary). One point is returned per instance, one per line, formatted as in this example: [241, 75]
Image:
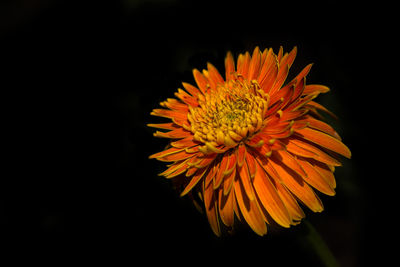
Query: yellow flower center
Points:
[232, 112]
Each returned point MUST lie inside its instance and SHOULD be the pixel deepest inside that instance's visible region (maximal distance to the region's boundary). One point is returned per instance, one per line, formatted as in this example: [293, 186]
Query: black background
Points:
[80, 79]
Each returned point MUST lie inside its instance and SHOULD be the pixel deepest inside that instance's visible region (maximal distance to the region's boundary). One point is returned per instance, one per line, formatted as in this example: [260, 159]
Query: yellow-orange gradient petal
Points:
[249, 144]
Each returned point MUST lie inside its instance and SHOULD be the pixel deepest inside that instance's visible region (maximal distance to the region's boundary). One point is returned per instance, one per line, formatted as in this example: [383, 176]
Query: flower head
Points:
[250, 145]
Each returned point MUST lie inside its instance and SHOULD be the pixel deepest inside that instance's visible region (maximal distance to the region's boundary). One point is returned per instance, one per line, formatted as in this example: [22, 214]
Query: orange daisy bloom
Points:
[248, 145]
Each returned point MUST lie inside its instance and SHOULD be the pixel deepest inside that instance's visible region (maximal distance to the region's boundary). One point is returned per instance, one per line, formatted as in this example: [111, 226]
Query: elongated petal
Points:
[185, 142]
[210, 203]
[221, 171]
[201, 81]
[297, 186]
[231, 165]
[169, 151]
[176, 168]
[311, 88]
[195, 179]
[317, 106]
[288, 59]
[269, 197]
[187, 99]
[255, 62]
[280, 79]
[174, 134]
[175, 156]
[251, 164]
[166, 126]
[229, 66]
[288, 160]
[268, 71]
[176, 105]
[293, 208]
[301, 148]
[321, 126]
[214, 74]
[191, 89]
[325, 172]
[246, 182]
[325, 141]
[303, 73]
[241, 153]
[249, 209]
[315, 179]
[243, 65]
[225, 206]
[228, 181]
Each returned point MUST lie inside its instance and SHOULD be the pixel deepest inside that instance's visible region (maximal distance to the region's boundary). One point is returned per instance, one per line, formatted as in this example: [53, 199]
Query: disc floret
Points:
[229, 114]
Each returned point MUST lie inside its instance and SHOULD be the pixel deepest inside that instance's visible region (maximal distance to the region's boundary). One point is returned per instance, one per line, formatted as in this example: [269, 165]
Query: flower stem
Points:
[318, 245]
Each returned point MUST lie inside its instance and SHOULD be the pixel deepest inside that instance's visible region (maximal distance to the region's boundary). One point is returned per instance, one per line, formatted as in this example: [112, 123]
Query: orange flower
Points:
[248, 145]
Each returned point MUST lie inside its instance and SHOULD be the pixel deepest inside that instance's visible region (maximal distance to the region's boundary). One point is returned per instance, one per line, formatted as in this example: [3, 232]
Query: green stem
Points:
[319, 246]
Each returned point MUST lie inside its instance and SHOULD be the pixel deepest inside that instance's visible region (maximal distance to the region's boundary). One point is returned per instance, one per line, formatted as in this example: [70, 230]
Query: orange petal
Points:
[280, 79]
[240, 154]
[288, 59]
[300, 102]
[228, 181]
[191, 89]
[176, 169]
[169, 114]
[251, 164]
[214, 74]
[325, 141]
[167, 126]
[297, 186]
[325, 171]
[285, 94]
[299, 88]
[225, 206]
[174, 134]
[244, 176]
[186, 98]
[211, 174]
[210, 203]
[243, 64]
[254, 66]
[293, 208]
[185, 142]
[220, 172]
[191, 170]
[269, 197]
[175, 156]
[229, 67]
[195, 179]
[307, 150]
[320, 107]
[311, 88]
[176, 105]
[255, 141]
[269, 69]
[231, 163]
[211, 83]
[289, 115]
[315, 179]
[166, 152]
[321, 126]
[205, 160]
[303, 73]
[249, 209]
[280, 54]
[201, 81]
[288, 160]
